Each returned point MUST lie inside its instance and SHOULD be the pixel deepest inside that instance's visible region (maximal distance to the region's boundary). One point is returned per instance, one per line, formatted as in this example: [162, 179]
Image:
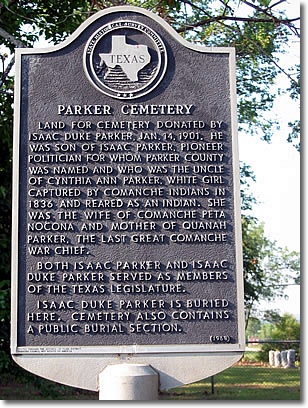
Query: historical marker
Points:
[127, 239]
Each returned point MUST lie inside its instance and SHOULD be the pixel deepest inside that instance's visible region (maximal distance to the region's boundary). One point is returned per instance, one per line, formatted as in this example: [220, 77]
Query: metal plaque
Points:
[126, 235]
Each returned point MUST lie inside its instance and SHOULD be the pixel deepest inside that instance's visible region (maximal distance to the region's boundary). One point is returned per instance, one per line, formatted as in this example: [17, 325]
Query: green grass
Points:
[244, 383]
[236, 383]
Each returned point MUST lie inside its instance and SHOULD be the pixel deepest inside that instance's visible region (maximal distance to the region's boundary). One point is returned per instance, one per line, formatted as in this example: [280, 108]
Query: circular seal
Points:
[125, 59]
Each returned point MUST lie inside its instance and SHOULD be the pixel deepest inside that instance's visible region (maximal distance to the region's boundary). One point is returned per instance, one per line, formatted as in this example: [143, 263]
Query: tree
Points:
[284, 327]
[259, 30]
[268, 268]
[253, 328]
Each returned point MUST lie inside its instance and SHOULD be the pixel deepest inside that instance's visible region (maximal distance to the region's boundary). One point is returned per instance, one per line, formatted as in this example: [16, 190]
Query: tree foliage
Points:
[268, 268]
[278, 332]
[286, 328]
[272, 326]
[259, 30]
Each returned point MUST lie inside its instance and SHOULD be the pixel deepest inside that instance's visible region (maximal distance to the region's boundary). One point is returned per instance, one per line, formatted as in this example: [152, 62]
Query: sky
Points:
[277, 190]
[277, 169]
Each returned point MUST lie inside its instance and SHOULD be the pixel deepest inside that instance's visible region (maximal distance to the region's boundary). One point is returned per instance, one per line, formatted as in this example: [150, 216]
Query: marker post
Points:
[128, 382]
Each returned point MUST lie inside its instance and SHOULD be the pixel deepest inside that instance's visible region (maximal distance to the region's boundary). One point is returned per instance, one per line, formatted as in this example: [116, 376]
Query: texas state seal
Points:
[125, 59]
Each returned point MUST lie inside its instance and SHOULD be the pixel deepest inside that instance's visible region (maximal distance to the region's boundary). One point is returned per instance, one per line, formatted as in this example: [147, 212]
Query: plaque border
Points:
[187, 349]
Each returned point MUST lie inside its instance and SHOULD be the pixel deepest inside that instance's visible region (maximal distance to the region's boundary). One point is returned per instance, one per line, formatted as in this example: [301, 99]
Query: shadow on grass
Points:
[243, 383]
[236, 383]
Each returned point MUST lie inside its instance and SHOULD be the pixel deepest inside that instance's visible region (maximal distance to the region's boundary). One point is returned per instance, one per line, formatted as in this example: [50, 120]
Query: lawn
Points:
[243, 383]
[236, 383]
